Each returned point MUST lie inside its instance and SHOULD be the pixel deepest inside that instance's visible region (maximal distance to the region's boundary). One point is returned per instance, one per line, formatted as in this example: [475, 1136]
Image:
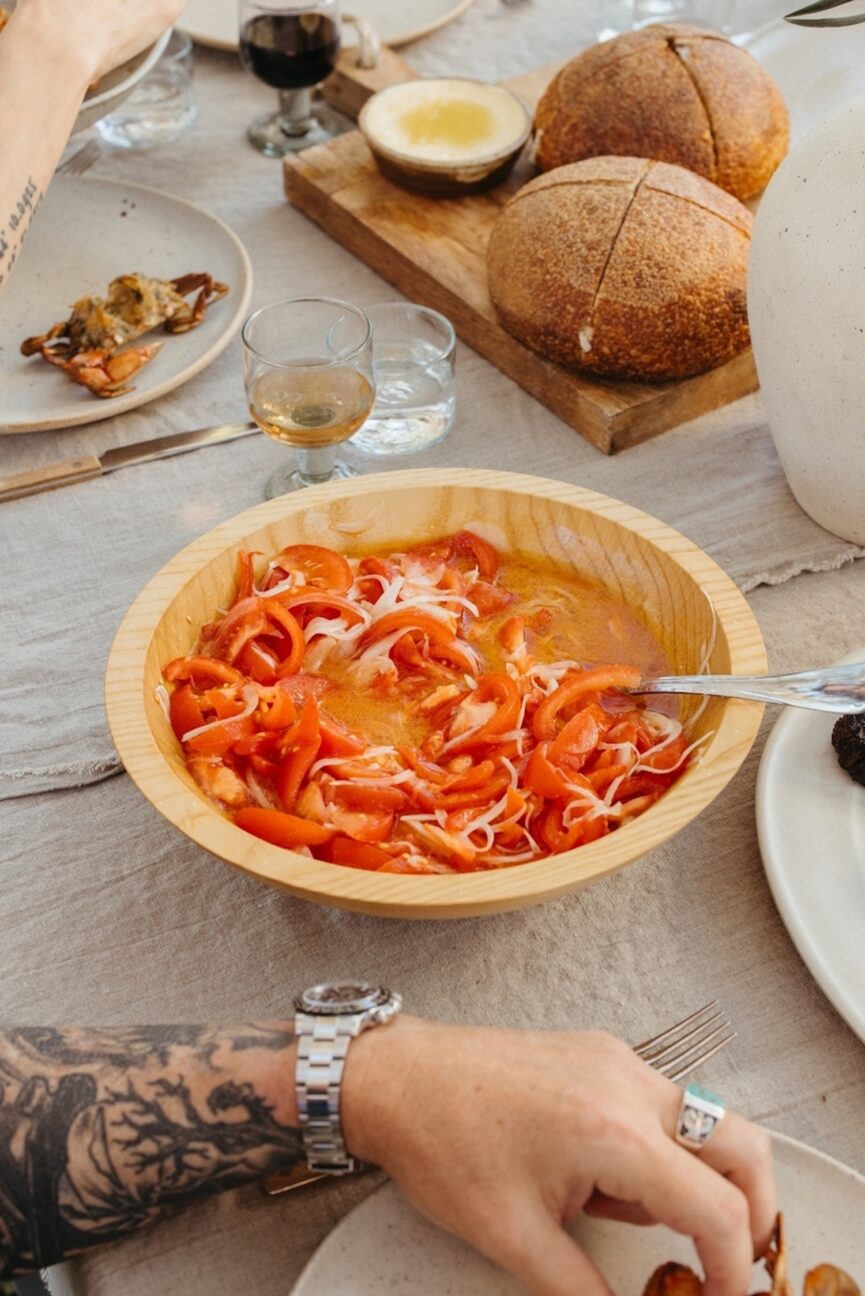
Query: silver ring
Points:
[700, 1114]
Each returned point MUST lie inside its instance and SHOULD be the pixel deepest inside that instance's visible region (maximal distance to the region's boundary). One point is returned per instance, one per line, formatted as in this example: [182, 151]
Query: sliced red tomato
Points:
[337, 739]
[579, 737]
[574, 688]
[362, 825]
[258, 662]
[481, 553]
[489, 599]
[218, 737]
[410, 620]
[184, 710]
[245, 575]
[355, 854]
[360, 796]
[281, 829]
[200, 670]
[496, 687]
[292, 658]
[301, 687]
[667, 758]
[319, 602]
[276, 709]
[320, 567]
[542, 777]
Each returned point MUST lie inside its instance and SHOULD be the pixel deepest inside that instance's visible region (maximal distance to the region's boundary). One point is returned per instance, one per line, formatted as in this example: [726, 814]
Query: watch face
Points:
[337, 997]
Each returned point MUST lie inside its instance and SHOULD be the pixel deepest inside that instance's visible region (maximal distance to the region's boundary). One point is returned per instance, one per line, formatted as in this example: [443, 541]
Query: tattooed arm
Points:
[102, 1131]
[50, 51]
[499, 1136]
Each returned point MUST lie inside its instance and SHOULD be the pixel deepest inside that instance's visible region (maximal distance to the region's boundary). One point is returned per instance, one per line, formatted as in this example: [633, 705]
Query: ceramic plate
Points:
[811, 825]
[214, 22]
[384, 1246]
[86, 233]
[817, 72]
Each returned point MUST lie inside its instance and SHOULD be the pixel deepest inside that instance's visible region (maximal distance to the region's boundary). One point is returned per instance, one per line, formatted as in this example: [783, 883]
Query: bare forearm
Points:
[103, 1131]
[42, 84]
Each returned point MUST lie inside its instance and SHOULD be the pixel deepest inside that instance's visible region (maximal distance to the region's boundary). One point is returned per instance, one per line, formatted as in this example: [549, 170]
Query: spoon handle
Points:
[837, 688]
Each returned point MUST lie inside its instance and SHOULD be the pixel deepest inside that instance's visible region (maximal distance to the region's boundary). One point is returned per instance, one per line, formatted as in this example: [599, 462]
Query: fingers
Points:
[541, 1255]
[679, 1190]
[742, 1153]
[601, 1206]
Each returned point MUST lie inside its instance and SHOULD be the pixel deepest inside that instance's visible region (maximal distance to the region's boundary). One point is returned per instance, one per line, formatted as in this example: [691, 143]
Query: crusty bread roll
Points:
[624, 267]
[671, 92]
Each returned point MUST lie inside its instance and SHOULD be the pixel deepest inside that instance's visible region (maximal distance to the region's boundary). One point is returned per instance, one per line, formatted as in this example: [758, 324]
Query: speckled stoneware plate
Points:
[384, 1248]
[214, 22]
[86, 233]
[817, 72]
[811, 826]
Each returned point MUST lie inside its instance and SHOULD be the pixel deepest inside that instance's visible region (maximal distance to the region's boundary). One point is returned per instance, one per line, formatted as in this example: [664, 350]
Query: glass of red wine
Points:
[292, 47]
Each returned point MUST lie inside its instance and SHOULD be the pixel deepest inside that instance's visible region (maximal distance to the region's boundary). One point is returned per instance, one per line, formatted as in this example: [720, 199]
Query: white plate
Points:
[811, 827]
[214, 22]
[384, 1246]
[817, 71]
[86, 233]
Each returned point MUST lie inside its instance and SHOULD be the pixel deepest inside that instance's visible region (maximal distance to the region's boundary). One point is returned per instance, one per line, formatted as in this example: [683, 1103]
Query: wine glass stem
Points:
[316, 464]
[295, 111]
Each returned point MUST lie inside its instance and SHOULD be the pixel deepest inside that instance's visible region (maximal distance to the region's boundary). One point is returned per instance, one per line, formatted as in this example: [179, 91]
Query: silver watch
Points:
[328, 1018]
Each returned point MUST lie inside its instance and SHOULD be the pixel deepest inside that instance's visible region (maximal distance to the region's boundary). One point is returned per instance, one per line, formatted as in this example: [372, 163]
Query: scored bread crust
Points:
[671, 92]
[623, 267]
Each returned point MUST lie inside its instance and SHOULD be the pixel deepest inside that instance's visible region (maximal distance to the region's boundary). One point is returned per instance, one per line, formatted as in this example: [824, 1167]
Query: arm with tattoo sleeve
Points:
[102, 1131]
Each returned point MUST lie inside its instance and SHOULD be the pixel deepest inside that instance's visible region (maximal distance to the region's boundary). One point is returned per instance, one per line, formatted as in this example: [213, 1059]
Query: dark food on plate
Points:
[848, 739]
[625, 268]
[86, 345]
[671, 92]
[421, 711]
[678, 1280]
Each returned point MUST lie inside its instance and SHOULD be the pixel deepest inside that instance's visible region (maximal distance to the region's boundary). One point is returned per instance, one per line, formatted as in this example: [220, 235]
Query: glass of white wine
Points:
[307, 365]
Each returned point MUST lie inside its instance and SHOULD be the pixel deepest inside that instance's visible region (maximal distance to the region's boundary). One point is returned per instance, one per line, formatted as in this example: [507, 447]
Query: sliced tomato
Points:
[320, 568]
[482, 554]
[355, 854]
[542, 777]
[184, 710]
[579, 737]
[300, 687]
[243, 622]
[498, 687]
[489, 599]
[200, 670]
[258, 662]
[574, 688]
[360, 796]
[217, 738]
[337, 739]
[410, 620]
[474, 777]
[292, 658]
[425, 768]
[667, 758]
[281, 829]
[362, 825]
[245, 575]
[319, 601]
[276, 708]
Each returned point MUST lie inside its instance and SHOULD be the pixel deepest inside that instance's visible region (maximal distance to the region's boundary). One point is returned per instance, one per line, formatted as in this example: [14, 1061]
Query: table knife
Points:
[89, 466]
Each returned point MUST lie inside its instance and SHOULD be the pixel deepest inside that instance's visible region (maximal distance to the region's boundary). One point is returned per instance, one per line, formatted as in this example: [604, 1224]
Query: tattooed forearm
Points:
[102, 1131]
[14, 231]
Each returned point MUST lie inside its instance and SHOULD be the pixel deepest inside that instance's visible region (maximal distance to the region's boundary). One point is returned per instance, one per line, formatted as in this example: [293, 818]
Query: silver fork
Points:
[680, 1049]
[834, 688]
[81, 161]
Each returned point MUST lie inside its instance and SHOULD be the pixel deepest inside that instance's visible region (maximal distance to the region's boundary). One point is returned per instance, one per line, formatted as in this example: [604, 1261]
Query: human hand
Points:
[104, 34]
[503, 1136]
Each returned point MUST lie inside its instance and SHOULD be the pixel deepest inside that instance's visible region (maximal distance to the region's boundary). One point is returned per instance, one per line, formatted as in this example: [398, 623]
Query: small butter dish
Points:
[445, 135]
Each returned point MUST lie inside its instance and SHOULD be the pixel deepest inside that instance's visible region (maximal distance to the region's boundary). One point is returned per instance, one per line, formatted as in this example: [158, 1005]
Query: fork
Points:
[681, 1048]
[675, 1052]
[81, 161]
[834, 688]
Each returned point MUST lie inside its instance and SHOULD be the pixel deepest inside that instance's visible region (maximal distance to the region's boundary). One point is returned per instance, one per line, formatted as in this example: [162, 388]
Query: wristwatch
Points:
[329, 1016]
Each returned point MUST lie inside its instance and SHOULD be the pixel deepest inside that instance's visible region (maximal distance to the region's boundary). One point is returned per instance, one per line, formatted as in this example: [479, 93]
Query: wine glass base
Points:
[282, 482]
[266, 133]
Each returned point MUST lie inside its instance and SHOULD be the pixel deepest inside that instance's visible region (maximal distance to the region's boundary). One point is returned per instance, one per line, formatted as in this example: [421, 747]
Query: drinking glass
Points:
[292, 47]
[162, 107]
[307, 365]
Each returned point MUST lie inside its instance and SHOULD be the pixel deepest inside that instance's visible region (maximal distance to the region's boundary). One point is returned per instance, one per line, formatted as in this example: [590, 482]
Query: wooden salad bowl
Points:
[694, 610]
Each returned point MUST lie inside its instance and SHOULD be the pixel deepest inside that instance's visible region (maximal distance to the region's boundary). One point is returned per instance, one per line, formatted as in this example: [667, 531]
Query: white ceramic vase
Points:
[806, 306]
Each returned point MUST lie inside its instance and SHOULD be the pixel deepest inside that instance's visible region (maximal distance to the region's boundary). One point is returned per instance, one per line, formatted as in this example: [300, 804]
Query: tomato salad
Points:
[394, 713]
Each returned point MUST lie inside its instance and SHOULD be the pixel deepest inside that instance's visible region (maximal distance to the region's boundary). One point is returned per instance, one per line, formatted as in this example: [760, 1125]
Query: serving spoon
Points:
[836, 688]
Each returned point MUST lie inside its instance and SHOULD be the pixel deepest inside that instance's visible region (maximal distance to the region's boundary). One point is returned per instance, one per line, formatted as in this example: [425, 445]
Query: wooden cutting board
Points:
[434, 251]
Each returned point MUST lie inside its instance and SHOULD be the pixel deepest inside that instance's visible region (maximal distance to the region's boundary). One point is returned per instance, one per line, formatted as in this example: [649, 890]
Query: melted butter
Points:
[462, 124]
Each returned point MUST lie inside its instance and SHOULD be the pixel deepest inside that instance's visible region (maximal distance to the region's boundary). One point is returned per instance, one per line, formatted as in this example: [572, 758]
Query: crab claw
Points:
[210, 290]
[103, 372]
[826, 1280]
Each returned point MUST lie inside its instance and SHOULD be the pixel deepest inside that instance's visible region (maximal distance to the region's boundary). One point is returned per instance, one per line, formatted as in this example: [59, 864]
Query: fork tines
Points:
[692, 1041]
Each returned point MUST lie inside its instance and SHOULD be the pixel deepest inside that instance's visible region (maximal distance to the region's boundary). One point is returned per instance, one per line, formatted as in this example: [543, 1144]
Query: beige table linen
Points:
[109, 916]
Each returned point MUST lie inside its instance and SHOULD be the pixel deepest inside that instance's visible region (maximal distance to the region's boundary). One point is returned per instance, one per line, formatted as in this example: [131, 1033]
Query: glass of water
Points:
[414, 350]
[162, 106]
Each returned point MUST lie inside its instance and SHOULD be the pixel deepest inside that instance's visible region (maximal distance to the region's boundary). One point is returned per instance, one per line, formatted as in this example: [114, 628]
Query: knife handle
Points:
[49, 478]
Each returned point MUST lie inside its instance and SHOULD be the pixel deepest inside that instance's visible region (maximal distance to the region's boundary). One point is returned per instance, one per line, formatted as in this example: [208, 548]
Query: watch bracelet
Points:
[322, 1045]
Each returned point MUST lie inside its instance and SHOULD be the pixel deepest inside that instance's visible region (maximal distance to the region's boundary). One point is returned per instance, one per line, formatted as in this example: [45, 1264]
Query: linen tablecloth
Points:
[109, 916]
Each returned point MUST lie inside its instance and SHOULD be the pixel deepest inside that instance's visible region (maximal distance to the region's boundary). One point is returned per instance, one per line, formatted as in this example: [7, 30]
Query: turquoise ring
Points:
[700, 1114]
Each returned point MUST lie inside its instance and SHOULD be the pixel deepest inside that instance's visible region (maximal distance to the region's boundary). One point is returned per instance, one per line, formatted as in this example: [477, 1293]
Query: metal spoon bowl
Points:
[837, 688]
